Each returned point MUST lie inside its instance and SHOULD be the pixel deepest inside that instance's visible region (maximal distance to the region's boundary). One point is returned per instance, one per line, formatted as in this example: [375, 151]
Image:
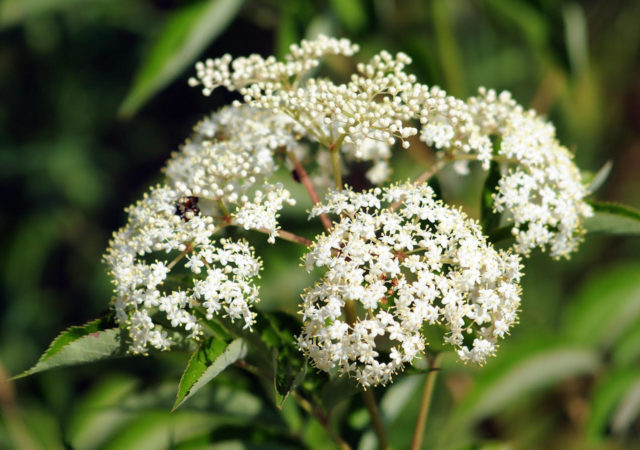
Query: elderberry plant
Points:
[396, 269]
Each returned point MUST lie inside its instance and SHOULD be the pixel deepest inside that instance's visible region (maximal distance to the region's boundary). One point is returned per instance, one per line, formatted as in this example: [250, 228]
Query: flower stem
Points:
[177, 259]
[291, 237]
[423, 412]
[376, 418]
[334, 148]
[367, 396]
[306, 182]
[322, 420]
[435, 168]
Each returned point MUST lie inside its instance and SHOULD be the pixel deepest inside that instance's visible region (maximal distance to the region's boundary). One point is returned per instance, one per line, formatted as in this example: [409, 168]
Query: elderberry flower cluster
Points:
[539, 192]
[388, 273]
[394, 260]
[229, 159]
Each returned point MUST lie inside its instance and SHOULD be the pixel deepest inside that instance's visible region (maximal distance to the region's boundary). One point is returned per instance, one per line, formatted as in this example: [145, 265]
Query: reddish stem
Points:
[306, 182]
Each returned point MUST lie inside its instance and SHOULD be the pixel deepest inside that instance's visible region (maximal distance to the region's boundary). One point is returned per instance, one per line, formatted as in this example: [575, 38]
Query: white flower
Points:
[262, 212]
[159, 230]
[381, 104]
[397, 271]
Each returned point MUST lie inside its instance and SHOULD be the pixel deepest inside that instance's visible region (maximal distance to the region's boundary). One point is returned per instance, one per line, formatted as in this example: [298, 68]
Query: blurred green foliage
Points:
[70, 72]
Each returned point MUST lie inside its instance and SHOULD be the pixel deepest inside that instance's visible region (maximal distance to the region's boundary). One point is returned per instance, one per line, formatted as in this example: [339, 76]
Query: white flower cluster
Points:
[540, 187]
[229, 155]
[540, 190]
[423, 264]
[159, 226]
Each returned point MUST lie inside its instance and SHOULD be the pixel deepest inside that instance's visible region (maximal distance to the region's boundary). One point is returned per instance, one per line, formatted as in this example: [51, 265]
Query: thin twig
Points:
[423, 413]
[288, 236]
[322, 420]
[367, 396]
[376, 418]
[179, 257]
[306, 182]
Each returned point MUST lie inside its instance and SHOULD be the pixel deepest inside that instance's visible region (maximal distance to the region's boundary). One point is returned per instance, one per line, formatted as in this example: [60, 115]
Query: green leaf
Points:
[81, 344]
[290, 367]
[628, 410]
[595, 180]
[613, 218]
[351, 13]
[526, 368]
[186, 33]
[161, 430]
[99, 414]
[206, 363]
[523, 18]
[627, 349]
[607, 306]
[337, 390]
[607, 395]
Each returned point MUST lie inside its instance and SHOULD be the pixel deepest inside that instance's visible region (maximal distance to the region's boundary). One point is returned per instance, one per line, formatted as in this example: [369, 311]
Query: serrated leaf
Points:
[206, 363]
[185, 35]
[526, 368]
[606, 307]
[81, 344]
[614, 219]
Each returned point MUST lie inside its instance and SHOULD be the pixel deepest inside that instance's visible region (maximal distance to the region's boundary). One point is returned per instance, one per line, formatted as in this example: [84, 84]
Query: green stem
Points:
[334, 148]
[425, 403]
[322, 420]
[376, 419]
[367, 396]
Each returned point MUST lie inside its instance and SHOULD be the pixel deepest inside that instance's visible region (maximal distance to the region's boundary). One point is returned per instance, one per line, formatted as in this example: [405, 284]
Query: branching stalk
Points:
[306, 182]
[425, 403]
[322, 420]
[288, 236]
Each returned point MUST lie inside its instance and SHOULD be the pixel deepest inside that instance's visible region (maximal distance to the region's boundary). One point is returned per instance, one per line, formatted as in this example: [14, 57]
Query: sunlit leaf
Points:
[596, 180]
[612, 218]
[160, 429]
[627, 349]
[93, 341]
[575, 33]
[97, 417]
[186, 33]
[607, 306]
[206, 363]
[607, 395]
[526, 368]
